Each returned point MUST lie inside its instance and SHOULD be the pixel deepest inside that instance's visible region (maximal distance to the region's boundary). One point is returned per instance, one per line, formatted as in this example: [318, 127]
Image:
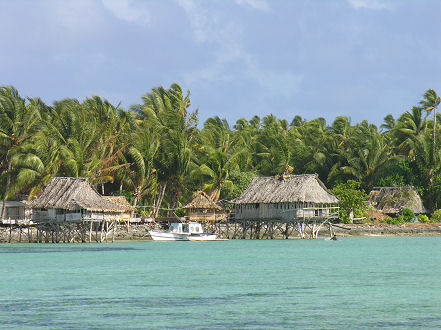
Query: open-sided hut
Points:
[286, 197]
[122, 202]
[393, 200]
[73, 200]
[201, 208]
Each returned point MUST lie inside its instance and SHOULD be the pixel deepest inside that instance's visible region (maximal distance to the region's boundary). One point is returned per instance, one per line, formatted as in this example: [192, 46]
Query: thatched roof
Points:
[201, 200]
[120, 201]
[287, 189]
[73, 194]
[393, 200]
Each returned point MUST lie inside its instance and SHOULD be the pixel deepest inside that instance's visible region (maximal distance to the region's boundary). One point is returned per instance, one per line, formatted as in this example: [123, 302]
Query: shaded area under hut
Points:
[393, 200]
[285, 203]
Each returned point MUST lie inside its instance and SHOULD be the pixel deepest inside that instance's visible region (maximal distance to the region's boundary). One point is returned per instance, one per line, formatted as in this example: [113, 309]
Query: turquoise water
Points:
[238, 284]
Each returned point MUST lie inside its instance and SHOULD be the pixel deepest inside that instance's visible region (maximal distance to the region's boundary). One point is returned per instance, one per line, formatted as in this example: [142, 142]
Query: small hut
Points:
[122, 202]
[286, 197]
[393, 200]
[73, 200]
[202, 209]
[16, 210]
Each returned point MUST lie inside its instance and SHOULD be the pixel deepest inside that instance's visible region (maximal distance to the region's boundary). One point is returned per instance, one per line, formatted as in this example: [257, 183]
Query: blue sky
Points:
[239, 58]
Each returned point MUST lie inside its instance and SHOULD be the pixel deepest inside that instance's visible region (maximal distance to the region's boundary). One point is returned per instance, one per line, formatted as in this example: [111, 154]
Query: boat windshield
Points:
[174, 228]
[185, 228]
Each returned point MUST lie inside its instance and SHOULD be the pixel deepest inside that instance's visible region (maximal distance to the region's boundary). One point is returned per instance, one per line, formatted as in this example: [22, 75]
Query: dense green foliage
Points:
[408, 215]
[155, 154]
[353, 200]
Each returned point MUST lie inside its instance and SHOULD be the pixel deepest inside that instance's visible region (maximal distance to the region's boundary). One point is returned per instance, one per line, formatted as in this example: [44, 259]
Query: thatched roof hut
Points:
[121, 201]
[73, 194]
[201, 200]
[392, 200]
[287, 189]
[202, 208]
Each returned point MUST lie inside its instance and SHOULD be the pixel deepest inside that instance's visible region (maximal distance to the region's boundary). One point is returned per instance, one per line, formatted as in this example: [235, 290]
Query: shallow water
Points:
[360, 282]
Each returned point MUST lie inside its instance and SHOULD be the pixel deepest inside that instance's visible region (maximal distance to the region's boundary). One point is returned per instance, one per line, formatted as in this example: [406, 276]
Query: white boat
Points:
[191, 231]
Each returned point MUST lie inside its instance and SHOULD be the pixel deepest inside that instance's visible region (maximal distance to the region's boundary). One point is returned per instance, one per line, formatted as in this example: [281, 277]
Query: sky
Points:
[359, 58]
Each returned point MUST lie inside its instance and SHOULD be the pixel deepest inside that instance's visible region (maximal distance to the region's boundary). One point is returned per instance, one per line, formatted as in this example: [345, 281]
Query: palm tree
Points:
[166, 111]
[430, 103]
[218, 154]
[17, 124]
[389, 124]
[369, 155]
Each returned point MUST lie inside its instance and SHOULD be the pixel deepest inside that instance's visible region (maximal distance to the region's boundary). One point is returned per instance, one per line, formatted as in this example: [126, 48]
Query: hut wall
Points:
[14, 212]
[280, 211]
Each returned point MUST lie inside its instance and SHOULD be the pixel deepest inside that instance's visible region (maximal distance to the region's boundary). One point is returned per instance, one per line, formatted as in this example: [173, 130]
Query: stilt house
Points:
[201, 208]
[16, 210]
[393, 200]
[286, 198]
[121, 201]
[73, 200]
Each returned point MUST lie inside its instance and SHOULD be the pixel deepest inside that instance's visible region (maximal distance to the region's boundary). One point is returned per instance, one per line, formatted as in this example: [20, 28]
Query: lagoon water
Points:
[359, 282]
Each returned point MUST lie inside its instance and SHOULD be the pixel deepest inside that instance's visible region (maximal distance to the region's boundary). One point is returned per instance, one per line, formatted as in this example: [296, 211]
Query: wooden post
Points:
[90, 233]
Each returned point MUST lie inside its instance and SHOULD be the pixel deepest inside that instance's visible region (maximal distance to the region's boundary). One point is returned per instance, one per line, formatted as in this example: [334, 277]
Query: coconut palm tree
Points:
[18, 122]
[218, 154]
[166, 110]
[430, 102]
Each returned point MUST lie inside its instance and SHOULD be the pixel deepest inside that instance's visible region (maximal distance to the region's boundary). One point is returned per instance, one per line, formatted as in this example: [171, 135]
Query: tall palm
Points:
[430, 102]
[17, 124]
[218, 154]
[369, 155]
[409, 125]
[389, 124]
[166, 110]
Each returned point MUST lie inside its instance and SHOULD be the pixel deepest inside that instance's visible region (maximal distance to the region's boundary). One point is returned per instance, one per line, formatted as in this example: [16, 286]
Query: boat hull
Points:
[166, 236]
[203, 237]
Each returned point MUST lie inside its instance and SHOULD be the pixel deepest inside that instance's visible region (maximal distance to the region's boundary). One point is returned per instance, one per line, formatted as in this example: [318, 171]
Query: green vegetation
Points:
[436, 216]
[423, 218]
[156, 155]
[408, 215]
[353, 200]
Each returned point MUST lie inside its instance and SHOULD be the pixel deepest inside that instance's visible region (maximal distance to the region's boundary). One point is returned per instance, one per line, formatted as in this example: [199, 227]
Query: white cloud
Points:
[78, 18]
[127, 10]
[230, 60]
[369, 4]
[256, 4]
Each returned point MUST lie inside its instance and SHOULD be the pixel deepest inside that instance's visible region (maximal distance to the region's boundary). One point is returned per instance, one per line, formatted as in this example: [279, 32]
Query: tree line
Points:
[155, 154]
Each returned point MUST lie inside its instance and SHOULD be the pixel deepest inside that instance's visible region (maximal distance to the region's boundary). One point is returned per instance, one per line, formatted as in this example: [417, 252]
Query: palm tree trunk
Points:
[8, 184]
[433, 147]
[157, 208]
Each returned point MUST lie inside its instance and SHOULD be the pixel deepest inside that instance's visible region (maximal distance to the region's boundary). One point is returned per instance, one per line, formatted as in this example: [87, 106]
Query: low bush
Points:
[393, 221]
[436, 216]
[423, 218]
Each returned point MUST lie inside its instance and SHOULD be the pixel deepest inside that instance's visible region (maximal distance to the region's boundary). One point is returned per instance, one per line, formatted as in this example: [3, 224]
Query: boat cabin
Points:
[185, 228]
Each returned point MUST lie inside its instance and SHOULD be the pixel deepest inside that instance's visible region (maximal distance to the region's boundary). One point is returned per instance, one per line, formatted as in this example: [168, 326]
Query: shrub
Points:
[408, 215]
[436, 216]
[393, 221]
[423, 218]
